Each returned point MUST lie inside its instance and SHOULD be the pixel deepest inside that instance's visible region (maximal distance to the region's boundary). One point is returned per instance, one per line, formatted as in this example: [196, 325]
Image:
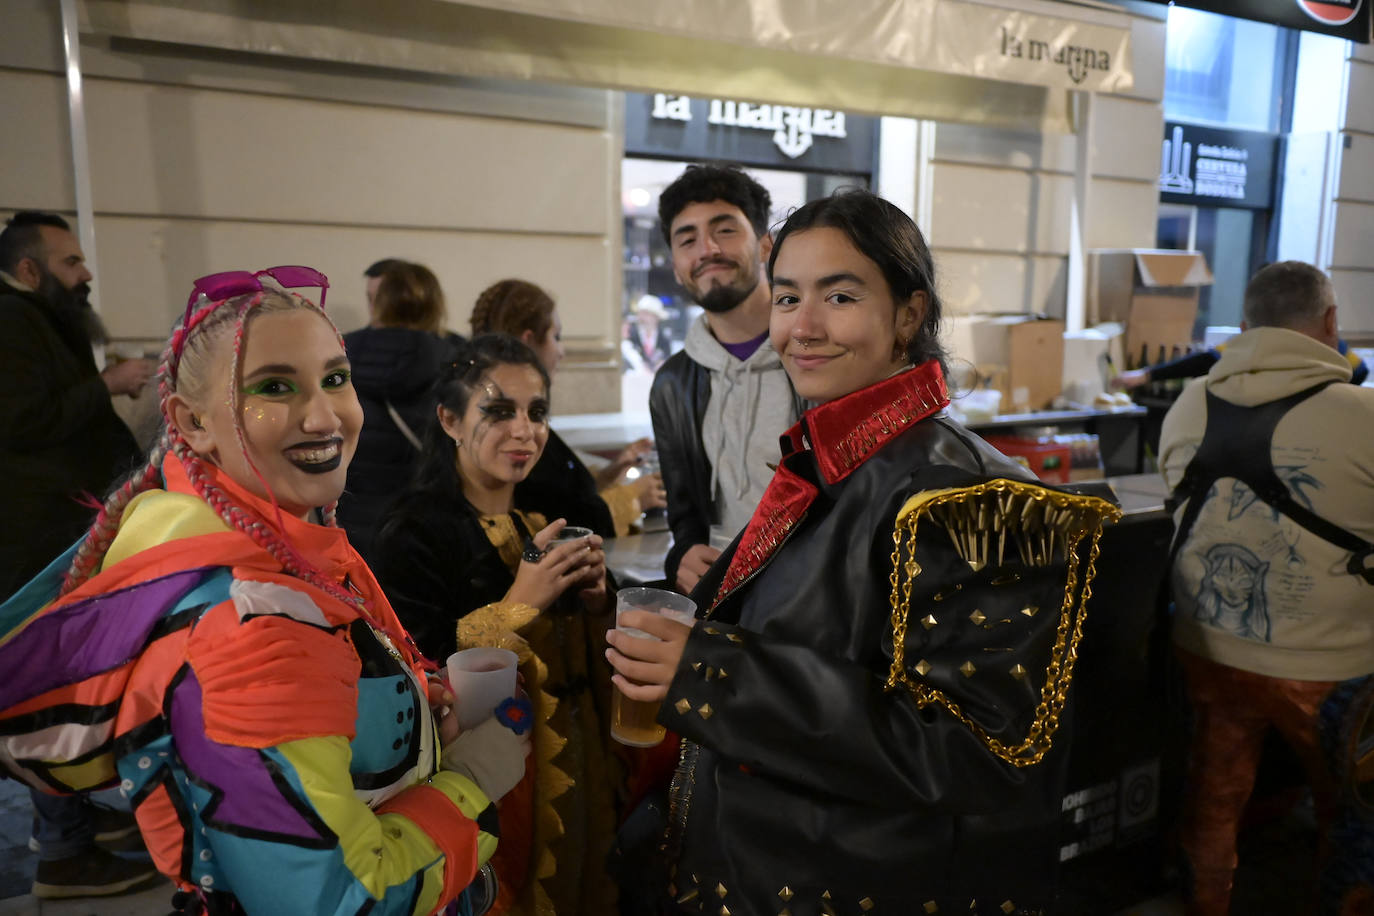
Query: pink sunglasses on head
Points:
[230, 283]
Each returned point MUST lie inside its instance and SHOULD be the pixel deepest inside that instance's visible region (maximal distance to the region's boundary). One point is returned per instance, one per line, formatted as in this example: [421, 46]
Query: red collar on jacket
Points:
[842, 434]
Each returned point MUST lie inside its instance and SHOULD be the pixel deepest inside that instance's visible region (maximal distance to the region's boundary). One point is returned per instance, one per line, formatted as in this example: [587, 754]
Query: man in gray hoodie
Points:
[720, 405]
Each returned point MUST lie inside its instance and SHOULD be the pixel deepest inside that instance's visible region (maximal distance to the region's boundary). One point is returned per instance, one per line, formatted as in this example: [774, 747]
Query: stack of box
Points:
[1020, 355]
[1153, 293]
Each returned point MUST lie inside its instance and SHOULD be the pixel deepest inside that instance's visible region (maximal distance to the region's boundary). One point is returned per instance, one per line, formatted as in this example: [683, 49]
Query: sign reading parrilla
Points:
[793, 128]
[1075, 59]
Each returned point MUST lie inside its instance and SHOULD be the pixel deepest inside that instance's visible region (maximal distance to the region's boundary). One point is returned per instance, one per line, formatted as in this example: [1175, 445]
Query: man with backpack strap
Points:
[1272, 469]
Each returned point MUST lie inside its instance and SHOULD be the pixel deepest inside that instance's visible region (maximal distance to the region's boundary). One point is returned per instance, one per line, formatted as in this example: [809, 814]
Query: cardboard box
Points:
[1020, 355]
[1154, 293]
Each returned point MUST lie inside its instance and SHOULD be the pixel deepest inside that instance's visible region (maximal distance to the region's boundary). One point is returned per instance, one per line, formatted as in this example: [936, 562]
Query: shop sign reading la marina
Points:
[793, 128]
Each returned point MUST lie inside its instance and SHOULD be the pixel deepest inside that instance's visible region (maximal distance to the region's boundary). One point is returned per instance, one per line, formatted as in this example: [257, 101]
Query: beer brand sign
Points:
[793, 128]
[1207, 166]
[1341, 18]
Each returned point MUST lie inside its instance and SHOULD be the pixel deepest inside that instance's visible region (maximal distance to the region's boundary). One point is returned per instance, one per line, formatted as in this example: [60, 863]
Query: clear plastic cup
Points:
[633, 722]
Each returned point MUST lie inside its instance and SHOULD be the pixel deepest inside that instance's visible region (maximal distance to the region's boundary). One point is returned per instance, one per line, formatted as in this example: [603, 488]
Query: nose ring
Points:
[805, 344]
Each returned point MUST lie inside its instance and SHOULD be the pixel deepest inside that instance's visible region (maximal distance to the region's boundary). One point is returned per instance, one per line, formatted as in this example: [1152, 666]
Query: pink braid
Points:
[102, 532]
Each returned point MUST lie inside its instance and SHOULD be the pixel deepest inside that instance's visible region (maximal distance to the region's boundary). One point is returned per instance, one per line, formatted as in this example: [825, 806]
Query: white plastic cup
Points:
[633, 722]
[481, 679]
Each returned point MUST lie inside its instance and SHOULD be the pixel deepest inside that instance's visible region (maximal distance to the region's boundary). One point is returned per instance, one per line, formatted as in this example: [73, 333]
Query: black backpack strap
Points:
[1237, 442]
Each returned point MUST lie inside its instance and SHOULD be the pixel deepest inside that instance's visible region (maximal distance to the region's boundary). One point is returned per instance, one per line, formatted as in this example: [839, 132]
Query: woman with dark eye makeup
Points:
[464, 568]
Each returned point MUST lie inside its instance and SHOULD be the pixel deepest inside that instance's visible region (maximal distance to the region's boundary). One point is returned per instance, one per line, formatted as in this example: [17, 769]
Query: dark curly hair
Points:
[887, 237]
[471, 360]
[701, 184]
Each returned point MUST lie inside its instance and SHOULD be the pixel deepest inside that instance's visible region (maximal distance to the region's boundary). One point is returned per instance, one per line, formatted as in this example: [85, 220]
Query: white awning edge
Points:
[434, 36]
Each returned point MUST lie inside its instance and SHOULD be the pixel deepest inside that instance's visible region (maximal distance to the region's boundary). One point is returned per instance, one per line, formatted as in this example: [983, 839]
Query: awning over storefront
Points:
[948, 60]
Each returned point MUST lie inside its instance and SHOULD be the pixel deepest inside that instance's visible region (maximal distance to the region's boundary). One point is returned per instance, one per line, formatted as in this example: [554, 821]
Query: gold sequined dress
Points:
[446, 570]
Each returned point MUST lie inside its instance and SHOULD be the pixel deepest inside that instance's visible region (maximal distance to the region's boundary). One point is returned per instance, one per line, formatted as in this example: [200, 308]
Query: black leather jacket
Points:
[677, 407]
[807, 787]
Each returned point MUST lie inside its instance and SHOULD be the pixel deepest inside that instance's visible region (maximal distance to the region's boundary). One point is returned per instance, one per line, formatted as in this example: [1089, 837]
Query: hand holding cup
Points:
[646, 647]
[547, 569]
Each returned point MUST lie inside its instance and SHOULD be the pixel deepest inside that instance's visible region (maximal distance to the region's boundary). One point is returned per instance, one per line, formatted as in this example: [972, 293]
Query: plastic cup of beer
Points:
[481, 680]
[633, 721]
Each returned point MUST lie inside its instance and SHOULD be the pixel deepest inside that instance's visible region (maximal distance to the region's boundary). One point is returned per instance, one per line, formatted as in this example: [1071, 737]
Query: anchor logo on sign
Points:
[795, 137]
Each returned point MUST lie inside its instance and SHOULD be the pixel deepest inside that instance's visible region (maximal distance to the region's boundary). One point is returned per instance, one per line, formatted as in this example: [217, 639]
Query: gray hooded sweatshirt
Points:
[751, 406]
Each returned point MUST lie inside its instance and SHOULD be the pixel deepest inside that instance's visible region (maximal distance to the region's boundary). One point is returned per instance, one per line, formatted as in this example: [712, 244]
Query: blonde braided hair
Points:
[181, 368]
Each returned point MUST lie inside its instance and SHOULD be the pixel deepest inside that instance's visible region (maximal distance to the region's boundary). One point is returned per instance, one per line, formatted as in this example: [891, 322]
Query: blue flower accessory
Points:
[516, 713]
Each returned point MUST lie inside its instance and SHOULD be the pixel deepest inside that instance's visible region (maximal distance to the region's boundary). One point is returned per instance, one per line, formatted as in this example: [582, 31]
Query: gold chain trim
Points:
[1017, 506]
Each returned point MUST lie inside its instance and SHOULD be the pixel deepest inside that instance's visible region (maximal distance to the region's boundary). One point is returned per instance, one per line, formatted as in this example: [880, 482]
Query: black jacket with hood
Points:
[396, 367]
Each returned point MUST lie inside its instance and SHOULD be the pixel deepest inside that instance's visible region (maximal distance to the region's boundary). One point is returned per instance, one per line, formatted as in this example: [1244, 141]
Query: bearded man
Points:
[720, 405]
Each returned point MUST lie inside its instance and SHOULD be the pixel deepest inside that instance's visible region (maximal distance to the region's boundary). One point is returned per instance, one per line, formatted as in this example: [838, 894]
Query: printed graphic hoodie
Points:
[1253, 589]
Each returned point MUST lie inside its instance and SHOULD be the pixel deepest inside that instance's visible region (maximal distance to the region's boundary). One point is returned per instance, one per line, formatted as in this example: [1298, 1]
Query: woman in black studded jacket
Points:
[872, 698]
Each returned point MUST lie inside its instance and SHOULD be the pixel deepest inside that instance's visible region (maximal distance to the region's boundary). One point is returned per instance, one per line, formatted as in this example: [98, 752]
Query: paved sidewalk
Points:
[17, 864]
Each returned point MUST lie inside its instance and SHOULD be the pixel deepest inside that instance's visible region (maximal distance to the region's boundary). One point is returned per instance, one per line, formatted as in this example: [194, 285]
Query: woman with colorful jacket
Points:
[218, 639]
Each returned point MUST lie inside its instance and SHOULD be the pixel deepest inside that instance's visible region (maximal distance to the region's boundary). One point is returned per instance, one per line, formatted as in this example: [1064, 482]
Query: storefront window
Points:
[1224, 80]
[1222, 71]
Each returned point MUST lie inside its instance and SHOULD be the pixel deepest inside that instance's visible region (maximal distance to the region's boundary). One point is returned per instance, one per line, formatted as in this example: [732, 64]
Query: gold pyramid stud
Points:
[1030, 610]
[923, 667]
[1018, 672]
[696, 666]
[928, 621]
[825, 895]
[1008, 906]
[785, 894]
[931, 907]
[721, 891]
[967, 669]
[705, 711]
[866, 904]
[977, 616]
[683, 706]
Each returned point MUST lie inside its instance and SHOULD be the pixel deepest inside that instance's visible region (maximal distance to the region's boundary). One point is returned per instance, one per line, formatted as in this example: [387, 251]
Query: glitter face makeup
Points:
[299, 413]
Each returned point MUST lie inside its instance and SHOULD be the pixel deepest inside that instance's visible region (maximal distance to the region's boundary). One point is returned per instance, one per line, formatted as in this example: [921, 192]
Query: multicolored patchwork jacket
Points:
[275, 743]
